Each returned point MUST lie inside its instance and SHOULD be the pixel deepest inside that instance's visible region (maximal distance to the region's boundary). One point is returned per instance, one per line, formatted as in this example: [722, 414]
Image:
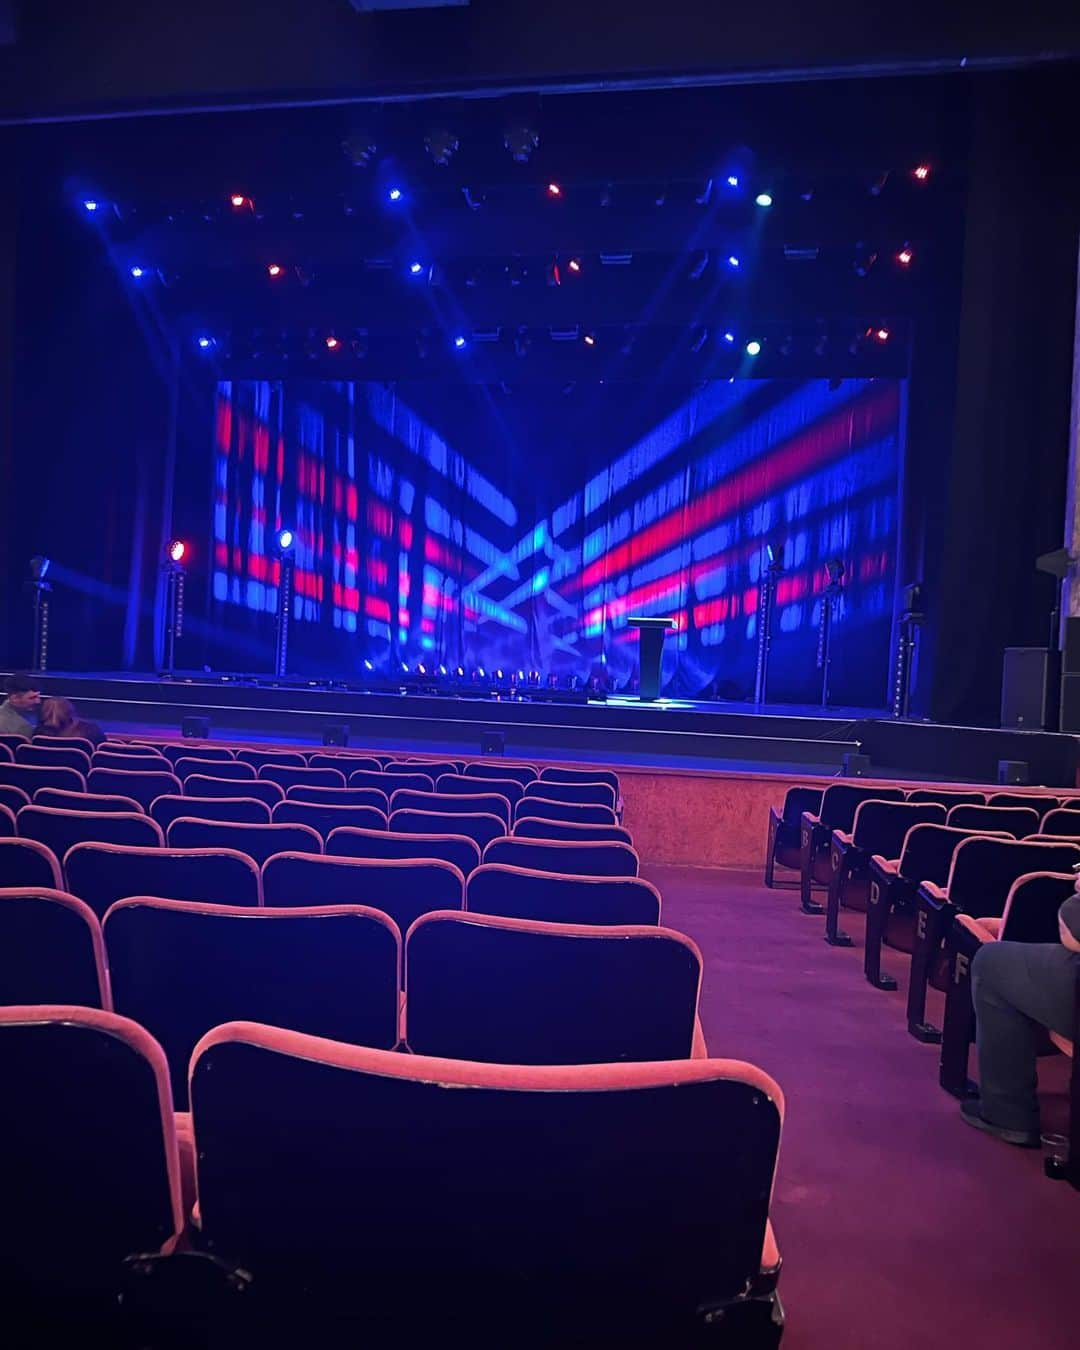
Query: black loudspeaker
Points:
[337, 733]
[1015, 771]
[1070, 656]
[855, 766]
[492, 743]
[1029, 688]
[197, 728]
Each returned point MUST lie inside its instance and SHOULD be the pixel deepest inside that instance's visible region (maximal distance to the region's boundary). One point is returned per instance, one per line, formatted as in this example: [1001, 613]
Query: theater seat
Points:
[25, 862]
[456, 849]
[259, 842]
[459, 785]
[323, 818]
[50, 950]
[101, 874]
[7, 821]
[580, 1205]
[521, 893]
[783, 843]
[533, 827]
[30, 777]
[213, 768]
[514, 991]
[345, 796]
[581, 813]
[92, 1171]
[521, 773]
[85, 801]
[200, 785]
[283, 758]
[61, 830]
[1030, 915]
[476, 804]
[402, 889]
[53, 756]
[574, 794]
[179, 969]
[478, 826]
[144, 787]
[236, 810]
[391, 782]
[14, 798]
[592, 859]
[554, 774]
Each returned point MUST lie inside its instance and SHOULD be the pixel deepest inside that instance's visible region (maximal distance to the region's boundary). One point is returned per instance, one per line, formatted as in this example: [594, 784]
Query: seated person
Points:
[19, 707]
[1020, 988]
[59, 718]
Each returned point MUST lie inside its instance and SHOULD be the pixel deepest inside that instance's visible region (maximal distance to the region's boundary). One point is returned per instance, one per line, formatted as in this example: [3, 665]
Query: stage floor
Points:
[674, 734]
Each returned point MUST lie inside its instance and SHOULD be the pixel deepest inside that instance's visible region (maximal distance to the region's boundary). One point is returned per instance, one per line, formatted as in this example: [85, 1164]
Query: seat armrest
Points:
[889, 865]
[698, 1049]
[843, 837]
[1064, 1045]
[982, 930]
[937, 895]
[808, 818]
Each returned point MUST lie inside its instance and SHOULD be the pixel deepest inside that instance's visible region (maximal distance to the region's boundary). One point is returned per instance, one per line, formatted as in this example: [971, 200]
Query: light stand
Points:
[766, 599]
[911, 620]
[42, 590]
[173, 569]
[285, 545]
[830, 600]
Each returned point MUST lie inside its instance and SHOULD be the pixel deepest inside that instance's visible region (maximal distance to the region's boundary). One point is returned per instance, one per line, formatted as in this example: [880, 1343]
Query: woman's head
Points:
[58, 714]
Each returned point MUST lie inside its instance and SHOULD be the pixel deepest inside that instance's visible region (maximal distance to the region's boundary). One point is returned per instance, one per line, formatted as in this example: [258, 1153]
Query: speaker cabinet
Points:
[1029, 688]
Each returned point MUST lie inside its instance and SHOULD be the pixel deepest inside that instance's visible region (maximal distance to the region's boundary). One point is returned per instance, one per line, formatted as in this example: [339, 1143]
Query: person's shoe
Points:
[971, 1110]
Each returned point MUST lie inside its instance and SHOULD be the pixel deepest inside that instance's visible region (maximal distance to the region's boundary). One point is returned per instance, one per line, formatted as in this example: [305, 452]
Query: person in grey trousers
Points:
[1019, 989]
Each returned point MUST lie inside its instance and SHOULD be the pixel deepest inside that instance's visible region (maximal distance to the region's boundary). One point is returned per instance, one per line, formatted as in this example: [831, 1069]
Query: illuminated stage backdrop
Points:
[459, 525]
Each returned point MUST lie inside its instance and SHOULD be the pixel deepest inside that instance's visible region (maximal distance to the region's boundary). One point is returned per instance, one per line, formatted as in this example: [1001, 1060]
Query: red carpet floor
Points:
[899, 1225]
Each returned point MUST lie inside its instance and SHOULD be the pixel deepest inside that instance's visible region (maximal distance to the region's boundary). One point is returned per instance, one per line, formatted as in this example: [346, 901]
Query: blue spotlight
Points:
[764, 199]
[285, 539]
[394, 194]
[733, 261]
[732, 180]
[753, 347]
[204, 342]
[90, 204]
[729, 337]
[138, 271]
[416, 268]
[368, 665]
[459, 342]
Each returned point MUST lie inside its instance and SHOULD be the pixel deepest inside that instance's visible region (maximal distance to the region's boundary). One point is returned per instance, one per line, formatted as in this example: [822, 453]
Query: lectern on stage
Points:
[651, 642]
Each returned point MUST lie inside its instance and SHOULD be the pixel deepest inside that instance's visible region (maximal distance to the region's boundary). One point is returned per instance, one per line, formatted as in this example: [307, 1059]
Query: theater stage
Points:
[698, 777]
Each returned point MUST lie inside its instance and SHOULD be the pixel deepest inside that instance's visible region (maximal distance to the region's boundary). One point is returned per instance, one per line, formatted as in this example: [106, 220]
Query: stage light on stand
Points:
[39, 567]
[332, 343]
[921, 173]
[880, 335]
[905, 256]
[285, 540]
[204, 343]
[729, 337]
[763, 199]
[137, 271]
[574, 265]
[733, 180]
[394, 194]
[174, 574]
[554, 190]
[459, 341]
[274, 270]
[237, 201]
[753, 347]
[415, 268]
[589, 339]
[90, 204]
[733, 262]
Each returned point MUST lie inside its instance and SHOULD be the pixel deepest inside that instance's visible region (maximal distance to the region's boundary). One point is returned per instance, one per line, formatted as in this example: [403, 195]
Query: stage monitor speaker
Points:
[1070, 655]
[492, 743]
[1013, 771]
[1070, 704]
[1029, 688]
[855, 766]
[197, 728]
[336, 733]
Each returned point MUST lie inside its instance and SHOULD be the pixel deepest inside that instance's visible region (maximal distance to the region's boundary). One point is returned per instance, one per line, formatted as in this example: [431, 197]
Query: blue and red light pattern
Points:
[410, 550]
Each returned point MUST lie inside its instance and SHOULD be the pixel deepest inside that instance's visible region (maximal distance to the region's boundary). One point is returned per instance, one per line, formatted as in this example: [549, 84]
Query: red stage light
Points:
[274, 269]
[881, 335]
[238, 199]
[177, 550]
[554, 190]
[905, 256]
[921, 172]
[332, 343]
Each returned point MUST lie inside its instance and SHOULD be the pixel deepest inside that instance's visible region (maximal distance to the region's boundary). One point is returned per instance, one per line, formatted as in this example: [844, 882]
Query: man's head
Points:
[22, 693]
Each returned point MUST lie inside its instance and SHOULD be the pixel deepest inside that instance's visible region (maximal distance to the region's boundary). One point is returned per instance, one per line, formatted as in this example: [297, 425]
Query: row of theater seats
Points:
[938, 873]
[593, 1177]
